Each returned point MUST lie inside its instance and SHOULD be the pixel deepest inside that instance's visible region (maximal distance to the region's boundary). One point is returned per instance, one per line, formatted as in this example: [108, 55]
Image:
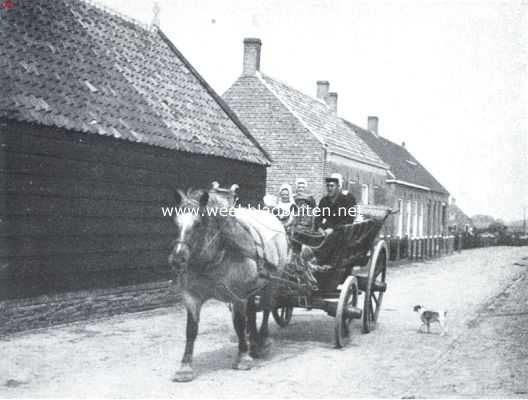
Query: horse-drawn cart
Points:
[352, 287]
[236, 258]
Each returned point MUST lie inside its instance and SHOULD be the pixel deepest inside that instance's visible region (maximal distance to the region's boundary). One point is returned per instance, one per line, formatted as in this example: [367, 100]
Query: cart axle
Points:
[350, 312]
[377, 286]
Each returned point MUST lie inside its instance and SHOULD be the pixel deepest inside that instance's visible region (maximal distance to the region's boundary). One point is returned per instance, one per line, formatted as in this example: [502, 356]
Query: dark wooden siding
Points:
[80, 210]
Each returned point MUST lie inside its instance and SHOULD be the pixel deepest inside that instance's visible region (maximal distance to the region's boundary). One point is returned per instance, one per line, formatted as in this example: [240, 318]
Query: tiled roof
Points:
[457, 216]
[68, 63]
[323, 123]
[402, 164]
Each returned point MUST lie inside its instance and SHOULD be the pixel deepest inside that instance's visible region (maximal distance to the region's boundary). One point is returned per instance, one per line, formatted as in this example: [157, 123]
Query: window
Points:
[443, 218]
[408, 213]
[421, 220]
[364, 194]
[415, 219]
[400, 218]
[429, 221]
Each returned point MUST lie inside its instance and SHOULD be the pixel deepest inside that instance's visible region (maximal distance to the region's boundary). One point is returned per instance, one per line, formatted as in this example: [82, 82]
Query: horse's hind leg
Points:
[264, 340]
[185, 373]
[243, 361]
[252, 328]
[267, 303]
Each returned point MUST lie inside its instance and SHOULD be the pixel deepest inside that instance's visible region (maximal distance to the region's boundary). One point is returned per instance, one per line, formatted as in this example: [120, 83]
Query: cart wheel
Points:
[347, 298]
[282, 315]
[375, 287]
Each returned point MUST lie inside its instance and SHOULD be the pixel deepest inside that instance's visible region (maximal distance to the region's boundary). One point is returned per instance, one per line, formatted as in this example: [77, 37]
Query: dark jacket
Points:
[330, 211]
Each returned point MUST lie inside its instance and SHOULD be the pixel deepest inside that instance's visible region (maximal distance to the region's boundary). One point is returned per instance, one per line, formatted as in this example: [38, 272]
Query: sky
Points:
[449, 78]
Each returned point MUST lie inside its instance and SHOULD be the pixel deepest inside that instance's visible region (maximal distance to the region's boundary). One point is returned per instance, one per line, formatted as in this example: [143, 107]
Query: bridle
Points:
[182, 242]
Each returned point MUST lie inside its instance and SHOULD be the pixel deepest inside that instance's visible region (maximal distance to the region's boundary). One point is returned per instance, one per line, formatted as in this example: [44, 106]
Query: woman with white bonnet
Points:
[286, 205]
[301, 196]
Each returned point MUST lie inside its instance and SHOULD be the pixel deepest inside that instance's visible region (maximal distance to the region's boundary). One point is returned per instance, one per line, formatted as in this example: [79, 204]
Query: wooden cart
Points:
[352, 288]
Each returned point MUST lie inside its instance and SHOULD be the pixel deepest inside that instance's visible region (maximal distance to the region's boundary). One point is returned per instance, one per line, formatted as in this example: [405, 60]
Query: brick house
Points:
[303, 134]
[411, 188]
[101, 118]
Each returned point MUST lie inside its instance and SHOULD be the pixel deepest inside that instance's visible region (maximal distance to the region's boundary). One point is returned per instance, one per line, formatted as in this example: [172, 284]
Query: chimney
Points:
[156, 15]
[322, 89]
[331, 101]
[373, 124]
[251, 56]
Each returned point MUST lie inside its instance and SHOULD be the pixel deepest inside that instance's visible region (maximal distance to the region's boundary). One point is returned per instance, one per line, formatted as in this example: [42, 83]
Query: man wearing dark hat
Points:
[336, 208]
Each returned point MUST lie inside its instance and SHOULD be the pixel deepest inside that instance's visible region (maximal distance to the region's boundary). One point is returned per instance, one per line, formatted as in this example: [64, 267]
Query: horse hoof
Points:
[243, 363]
[184, 374]
[265, 344]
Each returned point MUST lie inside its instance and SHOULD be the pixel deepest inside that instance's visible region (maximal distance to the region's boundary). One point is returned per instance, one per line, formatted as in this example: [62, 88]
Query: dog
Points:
[427, 317]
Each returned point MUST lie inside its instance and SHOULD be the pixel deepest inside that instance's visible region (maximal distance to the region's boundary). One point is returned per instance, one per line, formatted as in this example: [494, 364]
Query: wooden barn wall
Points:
[81, 211]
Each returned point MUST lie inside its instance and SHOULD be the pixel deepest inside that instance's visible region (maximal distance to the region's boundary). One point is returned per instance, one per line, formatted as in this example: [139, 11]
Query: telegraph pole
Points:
[524, 220]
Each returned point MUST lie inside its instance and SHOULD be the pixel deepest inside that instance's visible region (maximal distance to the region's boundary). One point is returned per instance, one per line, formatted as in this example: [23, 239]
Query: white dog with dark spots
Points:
[427, 317]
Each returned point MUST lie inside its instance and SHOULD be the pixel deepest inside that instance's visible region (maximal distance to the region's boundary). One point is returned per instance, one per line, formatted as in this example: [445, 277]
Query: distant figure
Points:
[236, 196]
[286, 205]
[304, 221]
[301, 196]
[225, 197]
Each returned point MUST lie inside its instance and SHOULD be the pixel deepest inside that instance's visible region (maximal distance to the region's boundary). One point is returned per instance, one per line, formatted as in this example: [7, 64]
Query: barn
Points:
[101, 119]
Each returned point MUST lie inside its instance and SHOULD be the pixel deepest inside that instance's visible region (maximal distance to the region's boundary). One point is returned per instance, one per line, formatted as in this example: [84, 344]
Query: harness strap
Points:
[233, 296]
[259, 258]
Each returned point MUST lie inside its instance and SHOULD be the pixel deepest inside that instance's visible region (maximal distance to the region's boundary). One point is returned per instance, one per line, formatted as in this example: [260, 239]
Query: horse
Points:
[228, 255]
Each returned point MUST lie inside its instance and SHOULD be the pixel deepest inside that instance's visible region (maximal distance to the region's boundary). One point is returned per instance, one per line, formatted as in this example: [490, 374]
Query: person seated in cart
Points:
[305, 202]
[301, 196]
[335, 210]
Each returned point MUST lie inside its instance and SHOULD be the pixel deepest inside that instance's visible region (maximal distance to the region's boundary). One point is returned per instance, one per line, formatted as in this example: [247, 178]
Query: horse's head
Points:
[189, 218]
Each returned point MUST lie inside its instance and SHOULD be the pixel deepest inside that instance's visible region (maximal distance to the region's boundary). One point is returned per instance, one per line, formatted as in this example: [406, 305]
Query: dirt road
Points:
[485, 353]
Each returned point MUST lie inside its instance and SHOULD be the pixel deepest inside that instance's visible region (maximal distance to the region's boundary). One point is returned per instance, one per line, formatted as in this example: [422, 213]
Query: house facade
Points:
[303, 134]
[422, 201]
[101, 119]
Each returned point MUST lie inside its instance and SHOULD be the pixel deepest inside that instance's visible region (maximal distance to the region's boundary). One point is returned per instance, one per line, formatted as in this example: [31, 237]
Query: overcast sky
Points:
[447, 77]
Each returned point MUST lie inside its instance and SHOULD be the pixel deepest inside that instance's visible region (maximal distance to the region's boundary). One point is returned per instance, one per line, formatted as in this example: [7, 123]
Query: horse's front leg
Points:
[252, 328]
[185, 373]
[243, 361]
